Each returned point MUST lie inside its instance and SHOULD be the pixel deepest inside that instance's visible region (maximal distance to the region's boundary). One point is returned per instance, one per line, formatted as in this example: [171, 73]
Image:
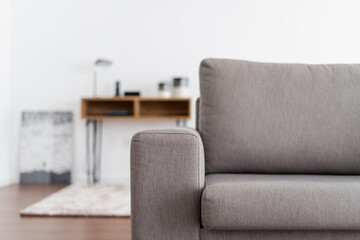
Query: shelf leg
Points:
[98, 151]
[94, 152]
[178, 122]
[93, 155]
[88, 157]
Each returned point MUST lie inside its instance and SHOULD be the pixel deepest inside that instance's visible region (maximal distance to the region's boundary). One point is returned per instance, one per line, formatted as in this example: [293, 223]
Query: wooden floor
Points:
[13, 226]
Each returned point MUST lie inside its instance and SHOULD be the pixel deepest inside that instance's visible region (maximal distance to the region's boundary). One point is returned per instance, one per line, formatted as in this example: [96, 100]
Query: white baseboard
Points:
[4, 182]
[81, 178]
[104, 179]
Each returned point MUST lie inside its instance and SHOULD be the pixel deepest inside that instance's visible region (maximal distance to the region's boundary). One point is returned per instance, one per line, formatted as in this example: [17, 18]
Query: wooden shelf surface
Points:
[136, 108]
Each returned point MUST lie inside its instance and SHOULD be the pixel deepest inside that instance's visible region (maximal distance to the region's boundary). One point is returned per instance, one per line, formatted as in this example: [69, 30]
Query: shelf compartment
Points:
[163, 108]
[101, 108]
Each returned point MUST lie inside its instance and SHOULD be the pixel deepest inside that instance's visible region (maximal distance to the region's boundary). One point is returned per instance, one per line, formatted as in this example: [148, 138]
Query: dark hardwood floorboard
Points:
[13, 198]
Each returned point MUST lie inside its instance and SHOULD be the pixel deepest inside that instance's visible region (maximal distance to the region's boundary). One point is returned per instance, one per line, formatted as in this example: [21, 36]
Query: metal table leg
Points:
[94, 152]
[88, 157]
[93, 156]
[97, 150]
[180, 122]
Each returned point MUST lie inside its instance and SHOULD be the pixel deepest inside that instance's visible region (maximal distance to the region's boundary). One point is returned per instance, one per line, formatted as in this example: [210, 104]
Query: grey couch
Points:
[276, 155]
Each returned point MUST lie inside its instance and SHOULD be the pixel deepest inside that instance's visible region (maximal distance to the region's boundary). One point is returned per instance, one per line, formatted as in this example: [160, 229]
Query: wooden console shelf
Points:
[135, 108]
[95, 110]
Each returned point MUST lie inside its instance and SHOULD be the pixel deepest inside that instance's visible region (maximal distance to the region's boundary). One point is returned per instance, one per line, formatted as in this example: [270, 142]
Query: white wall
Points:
[4, 92]
[56, 42]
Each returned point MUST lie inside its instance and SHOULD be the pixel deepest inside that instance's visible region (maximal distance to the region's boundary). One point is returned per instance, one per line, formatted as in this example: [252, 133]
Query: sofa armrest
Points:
[167, 179]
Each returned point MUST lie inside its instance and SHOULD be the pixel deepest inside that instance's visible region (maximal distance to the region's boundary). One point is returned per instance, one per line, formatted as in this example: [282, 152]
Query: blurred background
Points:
[48, 49]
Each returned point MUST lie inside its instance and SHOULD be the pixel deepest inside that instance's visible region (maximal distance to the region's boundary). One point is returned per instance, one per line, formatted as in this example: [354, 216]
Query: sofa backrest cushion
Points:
[280, 118]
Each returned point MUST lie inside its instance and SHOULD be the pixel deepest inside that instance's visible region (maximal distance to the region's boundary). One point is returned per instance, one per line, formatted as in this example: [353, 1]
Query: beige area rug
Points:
[82, 200]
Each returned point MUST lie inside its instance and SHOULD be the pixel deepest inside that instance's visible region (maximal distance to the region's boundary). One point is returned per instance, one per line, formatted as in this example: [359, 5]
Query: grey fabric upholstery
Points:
[275, 120]
[279, 235]
[280, 118]
[281, 202]
[167, 178]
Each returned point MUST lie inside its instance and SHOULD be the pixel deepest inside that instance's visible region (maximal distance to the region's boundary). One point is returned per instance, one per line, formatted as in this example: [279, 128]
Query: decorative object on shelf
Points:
[117, 90]
[46, 147]
[164, 90]
[99, 63]
[132, 93]
[117, 113]
[180, 87]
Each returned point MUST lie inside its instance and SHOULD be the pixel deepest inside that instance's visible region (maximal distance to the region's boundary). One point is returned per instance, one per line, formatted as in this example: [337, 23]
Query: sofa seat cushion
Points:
[281, 202]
